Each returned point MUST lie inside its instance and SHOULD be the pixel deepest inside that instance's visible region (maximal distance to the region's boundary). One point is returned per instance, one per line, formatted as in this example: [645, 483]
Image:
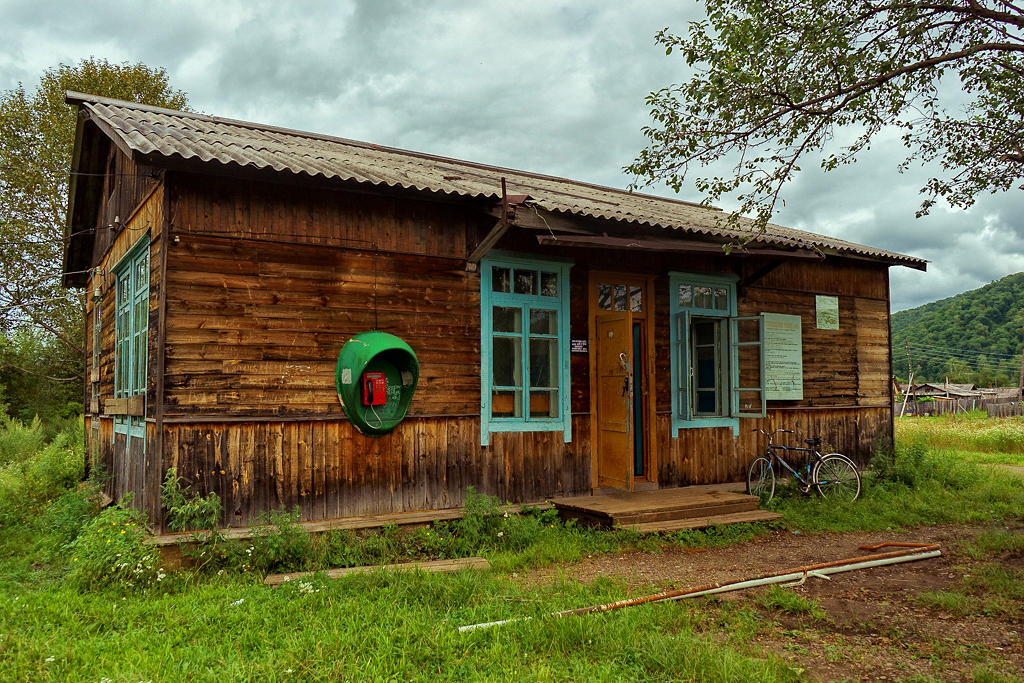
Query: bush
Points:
[19, 442]
[186, 513]
[110, 551]
[29, 485]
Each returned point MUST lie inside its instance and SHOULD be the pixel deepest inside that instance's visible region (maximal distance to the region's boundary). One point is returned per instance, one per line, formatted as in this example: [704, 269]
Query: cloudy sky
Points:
[546, 86]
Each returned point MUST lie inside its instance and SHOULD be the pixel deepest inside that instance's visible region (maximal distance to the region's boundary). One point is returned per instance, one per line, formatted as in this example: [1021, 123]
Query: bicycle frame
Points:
[772, 453]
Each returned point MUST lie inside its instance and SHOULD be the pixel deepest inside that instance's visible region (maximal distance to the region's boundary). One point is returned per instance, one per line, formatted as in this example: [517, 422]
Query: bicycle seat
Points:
[813, 442]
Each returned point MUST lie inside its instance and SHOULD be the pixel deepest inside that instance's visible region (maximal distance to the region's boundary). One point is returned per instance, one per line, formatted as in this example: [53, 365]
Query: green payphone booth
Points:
[376, 377]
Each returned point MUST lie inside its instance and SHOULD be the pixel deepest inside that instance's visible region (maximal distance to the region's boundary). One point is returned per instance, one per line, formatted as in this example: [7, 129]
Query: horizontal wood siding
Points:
[254, 328]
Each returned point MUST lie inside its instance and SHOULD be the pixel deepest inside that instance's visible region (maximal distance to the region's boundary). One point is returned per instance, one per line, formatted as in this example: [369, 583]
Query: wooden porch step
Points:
[680, 524]
[665, 505]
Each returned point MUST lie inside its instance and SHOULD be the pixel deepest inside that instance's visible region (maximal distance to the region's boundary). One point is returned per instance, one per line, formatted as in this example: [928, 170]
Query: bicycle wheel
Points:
[836, 477]
[761, 479]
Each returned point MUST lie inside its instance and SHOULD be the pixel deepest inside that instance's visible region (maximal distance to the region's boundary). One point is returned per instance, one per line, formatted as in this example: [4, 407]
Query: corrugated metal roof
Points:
[153, 130]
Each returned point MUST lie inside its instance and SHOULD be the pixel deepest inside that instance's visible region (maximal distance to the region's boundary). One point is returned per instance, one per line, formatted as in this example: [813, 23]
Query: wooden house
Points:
[571, 338]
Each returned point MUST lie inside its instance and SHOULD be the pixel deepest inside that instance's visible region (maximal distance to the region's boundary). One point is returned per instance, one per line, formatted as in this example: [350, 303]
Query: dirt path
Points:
[876, 627]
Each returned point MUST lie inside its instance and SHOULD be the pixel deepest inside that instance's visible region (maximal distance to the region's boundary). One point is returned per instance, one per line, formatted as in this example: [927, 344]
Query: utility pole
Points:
[910, 378]
[1020, 386]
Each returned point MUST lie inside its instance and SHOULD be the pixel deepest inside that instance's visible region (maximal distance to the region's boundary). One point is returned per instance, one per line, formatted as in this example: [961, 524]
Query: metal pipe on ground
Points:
[920, 552]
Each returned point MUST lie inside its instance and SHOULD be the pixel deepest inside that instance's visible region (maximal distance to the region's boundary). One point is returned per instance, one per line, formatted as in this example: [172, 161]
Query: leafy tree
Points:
[36, 141]
[776, 80]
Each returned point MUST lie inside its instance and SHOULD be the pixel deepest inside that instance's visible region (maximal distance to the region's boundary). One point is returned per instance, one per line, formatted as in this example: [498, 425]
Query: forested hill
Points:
[972, 337]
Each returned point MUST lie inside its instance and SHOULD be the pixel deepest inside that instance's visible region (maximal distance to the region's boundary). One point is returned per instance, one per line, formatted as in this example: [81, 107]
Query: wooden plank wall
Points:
[254, 327]
[130, 469]
[266, 282]
[328, 470]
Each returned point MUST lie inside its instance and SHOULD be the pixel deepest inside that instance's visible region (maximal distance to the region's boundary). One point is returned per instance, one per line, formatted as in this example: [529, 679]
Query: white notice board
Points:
[783, 358]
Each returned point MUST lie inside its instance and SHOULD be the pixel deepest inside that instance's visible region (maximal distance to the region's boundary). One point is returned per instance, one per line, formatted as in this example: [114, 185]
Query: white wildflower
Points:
[49, 659]
[237, 602]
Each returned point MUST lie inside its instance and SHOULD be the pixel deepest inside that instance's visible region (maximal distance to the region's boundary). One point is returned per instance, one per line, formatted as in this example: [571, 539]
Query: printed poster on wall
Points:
[828, 312]
[783, 358]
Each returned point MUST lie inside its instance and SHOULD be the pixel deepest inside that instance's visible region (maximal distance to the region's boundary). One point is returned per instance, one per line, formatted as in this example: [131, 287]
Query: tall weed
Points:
[29, 485]
[110, 551]
[18, 441]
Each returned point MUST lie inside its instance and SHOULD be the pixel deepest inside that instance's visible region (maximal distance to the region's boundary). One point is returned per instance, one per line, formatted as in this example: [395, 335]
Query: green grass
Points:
[779, 599]
[972, 432]
[987, 585]
[924, 487]
[981, 457]
[370, 627]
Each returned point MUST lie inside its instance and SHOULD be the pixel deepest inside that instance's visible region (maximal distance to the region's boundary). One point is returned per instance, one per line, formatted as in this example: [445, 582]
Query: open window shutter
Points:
[746, 363]
[683, 364]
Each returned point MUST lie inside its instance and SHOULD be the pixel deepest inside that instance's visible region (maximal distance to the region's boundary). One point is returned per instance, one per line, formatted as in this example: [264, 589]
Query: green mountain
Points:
[974, 337]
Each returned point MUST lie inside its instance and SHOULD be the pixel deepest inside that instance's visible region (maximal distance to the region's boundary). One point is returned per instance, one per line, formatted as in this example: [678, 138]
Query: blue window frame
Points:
[717, 357]
[524, 345]
[131, 333]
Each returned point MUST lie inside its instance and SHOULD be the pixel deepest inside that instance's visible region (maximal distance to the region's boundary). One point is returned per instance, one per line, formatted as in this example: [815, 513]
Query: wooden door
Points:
[614, 400]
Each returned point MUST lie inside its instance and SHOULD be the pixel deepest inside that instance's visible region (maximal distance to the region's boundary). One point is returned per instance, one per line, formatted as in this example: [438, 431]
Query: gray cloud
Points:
[552, 87]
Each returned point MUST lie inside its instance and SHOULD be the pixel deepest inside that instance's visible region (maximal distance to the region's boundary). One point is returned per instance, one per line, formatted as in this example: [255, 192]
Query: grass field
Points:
[130, 621]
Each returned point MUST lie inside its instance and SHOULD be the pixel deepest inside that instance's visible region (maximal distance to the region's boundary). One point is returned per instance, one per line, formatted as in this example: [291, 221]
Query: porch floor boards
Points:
[665, 509]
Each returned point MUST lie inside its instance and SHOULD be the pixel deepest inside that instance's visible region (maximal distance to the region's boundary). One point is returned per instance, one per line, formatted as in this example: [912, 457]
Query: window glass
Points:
[525, 281]
[721, 299]
[543, 359]
[507, 357]
[620, 297]
[702, 297]
[636, 300]
[507, 319]
[685, 296]
[604, 297]
[501, 279]
[543, 322]
[549, 284]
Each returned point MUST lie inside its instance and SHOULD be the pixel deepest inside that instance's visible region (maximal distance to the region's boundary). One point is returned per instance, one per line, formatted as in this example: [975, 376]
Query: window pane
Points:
[525, 282]
[707, 403]
[549, 284]
[543, 362]
[543, 322]
[507, 362]
[702, 297]
[620, 297]
[506, 403]
[141, 280]
[501, 279]
[507, 319]
[544, 404]
[705, 366]
[685, 296]
[721, 299]
[636, 301]
[604, 297]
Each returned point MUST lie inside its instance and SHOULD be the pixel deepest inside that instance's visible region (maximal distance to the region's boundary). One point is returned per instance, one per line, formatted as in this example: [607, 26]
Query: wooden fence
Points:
[996, 407]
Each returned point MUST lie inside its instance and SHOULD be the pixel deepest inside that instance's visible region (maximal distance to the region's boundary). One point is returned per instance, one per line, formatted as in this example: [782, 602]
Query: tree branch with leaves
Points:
[776, 80]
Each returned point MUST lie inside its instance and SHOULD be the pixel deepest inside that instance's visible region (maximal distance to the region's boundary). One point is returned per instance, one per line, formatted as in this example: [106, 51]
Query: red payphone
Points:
[374, 389]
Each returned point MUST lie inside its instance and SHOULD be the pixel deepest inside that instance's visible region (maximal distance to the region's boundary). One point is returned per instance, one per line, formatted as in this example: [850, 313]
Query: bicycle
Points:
[834, 475]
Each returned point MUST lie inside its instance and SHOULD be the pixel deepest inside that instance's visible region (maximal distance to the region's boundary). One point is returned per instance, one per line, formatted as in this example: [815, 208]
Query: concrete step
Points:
[701, 523]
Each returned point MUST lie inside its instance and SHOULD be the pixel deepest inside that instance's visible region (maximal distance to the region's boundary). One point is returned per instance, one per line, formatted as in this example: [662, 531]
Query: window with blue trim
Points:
[524, 324]
[717, 356]
[132, 323]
